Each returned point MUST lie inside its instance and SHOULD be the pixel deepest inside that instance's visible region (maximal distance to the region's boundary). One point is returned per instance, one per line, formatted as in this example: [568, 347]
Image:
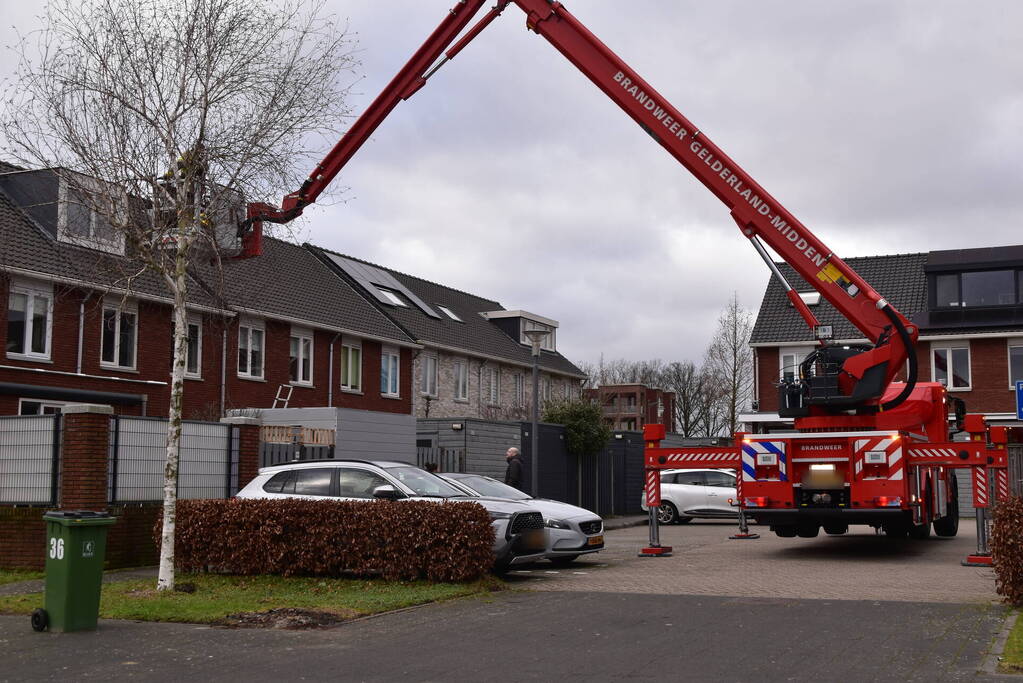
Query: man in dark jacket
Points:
[513, 475]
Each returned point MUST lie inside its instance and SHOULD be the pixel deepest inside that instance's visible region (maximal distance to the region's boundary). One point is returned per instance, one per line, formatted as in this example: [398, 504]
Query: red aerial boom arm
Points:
[760, 217]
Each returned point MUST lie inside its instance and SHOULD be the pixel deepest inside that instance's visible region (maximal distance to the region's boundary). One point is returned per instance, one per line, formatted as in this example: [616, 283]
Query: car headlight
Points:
[500, 515]
[558, 524]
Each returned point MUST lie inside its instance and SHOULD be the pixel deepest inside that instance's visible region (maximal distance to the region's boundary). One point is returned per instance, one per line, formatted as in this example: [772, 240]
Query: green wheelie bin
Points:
[76, 543]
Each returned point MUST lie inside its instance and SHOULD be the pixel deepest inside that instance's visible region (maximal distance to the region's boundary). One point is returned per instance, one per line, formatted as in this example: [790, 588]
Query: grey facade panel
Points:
[360, 434]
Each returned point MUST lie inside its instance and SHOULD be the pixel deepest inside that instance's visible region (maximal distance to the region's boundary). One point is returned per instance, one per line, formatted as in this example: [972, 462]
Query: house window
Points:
[120, 333]
[493, 386]
[351, 365]
[29, 322]
[389, 379]
[392, 297]
[946, 290]
[84, 209]
[30, 406]
[300, 357]
[251, 344]
[548, 343]
[428, 380]
[1015, 363]
[461, 380]
[978, 289]
[951, 362]
[193, 349]
[449, 313]
[520, 390]
[546, 381]
[789, 360]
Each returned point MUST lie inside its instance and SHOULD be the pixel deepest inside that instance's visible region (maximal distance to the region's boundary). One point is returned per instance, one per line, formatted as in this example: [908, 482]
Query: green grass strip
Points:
[217, 596]
[1012, 658]
[16, 575]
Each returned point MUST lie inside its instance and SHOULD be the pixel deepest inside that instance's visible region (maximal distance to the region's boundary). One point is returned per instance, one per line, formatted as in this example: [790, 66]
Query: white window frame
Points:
[31, 291]
[43, 404]
[494, 386]
[461, 377]
[114, 246]
[197, 322]
[246, 328]
[949, 347]
[301, 335]
[428, 374]
[120, 309]
[545, 388]
[390, 372]
[798, 353]
[549, 343]
[1013, 343]
[349, 345]
[520, 390]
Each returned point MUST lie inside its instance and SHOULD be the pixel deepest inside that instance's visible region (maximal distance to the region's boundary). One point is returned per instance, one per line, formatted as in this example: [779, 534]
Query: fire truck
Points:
[866, 449]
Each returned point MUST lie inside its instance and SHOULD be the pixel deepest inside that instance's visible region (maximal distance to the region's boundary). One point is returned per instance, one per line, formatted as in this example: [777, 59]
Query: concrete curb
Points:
[625, 522]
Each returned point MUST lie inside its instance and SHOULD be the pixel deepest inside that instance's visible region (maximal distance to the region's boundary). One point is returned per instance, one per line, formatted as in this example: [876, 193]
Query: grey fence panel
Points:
[447, 460]
[207, 466]
[280, 453]
[29, 459]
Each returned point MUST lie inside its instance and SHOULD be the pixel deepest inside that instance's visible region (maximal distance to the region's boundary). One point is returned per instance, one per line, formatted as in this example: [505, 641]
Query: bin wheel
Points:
[40, 619]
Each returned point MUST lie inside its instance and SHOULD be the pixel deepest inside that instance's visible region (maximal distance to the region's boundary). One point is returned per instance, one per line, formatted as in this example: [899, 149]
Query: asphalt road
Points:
[570, 632]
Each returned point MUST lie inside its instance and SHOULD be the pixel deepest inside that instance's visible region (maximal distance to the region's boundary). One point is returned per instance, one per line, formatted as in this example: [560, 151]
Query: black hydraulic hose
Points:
[910, 352]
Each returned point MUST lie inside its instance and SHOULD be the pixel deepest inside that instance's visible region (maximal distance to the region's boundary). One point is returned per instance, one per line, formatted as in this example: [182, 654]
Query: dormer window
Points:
[978, 289]
[547, 344]
[84, 209]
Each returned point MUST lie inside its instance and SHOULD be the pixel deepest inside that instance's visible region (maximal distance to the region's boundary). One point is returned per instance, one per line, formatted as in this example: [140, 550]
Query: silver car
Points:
[686, 494]
[571, 531]
[519, 533]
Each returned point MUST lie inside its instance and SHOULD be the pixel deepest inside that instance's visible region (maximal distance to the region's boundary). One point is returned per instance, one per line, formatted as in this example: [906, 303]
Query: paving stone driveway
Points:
[856, 566]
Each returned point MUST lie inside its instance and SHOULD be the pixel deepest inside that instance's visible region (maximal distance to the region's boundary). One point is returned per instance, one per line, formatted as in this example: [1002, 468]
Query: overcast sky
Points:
[885, 127]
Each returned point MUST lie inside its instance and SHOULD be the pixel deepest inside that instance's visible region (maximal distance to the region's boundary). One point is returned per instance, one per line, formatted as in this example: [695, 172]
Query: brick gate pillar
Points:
[84, 453]
[248, 447]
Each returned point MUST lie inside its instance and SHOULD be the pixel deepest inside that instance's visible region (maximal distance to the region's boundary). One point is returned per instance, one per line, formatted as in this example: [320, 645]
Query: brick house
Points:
[968, 304]
[630, 406]
[475, 360]
[76, 328]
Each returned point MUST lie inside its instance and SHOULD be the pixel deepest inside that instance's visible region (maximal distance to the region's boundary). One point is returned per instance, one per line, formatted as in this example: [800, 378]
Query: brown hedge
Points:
[396, 540]
[1007, 549]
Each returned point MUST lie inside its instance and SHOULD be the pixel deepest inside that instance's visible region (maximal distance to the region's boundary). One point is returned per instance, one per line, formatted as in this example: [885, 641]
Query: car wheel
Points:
[666, 513]
[563, 560]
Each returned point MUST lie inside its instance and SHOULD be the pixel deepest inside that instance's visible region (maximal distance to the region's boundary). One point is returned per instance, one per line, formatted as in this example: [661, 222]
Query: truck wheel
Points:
[666, 513]
[784, 531]
[920, 531]
[835, 529]
[40, 620]
[948, 525]
[896, 530]
[807, 530]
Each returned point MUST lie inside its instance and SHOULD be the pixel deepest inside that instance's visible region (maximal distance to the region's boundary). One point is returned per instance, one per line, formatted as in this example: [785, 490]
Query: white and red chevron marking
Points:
[689, 457]
[1001, 484]
[652, 488]
[933, 453]
[891, 445]
[979, 487]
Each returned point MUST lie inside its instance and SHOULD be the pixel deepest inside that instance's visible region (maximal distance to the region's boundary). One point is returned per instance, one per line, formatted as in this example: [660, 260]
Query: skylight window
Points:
[392, 297]
[449, 313]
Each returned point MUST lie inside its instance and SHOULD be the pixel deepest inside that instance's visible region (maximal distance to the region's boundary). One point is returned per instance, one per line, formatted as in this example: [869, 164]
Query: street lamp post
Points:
[536, 337]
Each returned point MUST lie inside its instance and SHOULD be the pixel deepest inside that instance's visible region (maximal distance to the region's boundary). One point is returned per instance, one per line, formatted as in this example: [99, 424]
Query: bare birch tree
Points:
[161, 117]
[729, 362]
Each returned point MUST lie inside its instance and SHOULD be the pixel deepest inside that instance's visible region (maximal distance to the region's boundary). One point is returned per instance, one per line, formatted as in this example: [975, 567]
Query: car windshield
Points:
[423, 483]
[489, 487]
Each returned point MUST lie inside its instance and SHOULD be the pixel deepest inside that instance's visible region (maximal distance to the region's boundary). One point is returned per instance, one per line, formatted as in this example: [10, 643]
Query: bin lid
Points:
[68, 517]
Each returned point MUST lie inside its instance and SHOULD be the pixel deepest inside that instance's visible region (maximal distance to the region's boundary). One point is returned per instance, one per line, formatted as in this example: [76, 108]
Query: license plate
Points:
[595, 540]
[534, 540]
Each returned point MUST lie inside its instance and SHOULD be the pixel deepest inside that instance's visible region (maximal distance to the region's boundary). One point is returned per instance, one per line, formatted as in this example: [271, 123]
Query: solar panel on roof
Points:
[372, 279]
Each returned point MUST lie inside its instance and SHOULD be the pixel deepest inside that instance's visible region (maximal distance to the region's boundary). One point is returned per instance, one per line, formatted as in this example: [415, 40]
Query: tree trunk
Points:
[179, 286]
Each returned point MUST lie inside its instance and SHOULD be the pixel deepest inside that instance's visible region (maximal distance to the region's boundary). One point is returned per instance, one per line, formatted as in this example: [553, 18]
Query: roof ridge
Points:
[398, 272]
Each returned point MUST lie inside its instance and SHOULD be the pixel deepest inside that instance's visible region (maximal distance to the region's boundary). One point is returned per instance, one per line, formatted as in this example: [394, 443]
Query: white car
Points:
[686, 494]
[571, 531]
[519, 533]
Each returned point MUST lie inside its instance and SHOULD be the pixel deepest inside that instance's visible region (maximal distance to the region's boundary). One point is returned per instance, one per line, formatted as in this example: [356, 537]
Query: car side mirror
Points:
[387, 492]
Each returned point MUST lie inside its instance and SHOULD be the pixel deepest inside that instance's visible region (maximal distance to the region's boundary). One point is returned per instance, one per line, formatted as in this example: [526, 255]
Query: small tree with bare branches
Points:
[161, 117]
